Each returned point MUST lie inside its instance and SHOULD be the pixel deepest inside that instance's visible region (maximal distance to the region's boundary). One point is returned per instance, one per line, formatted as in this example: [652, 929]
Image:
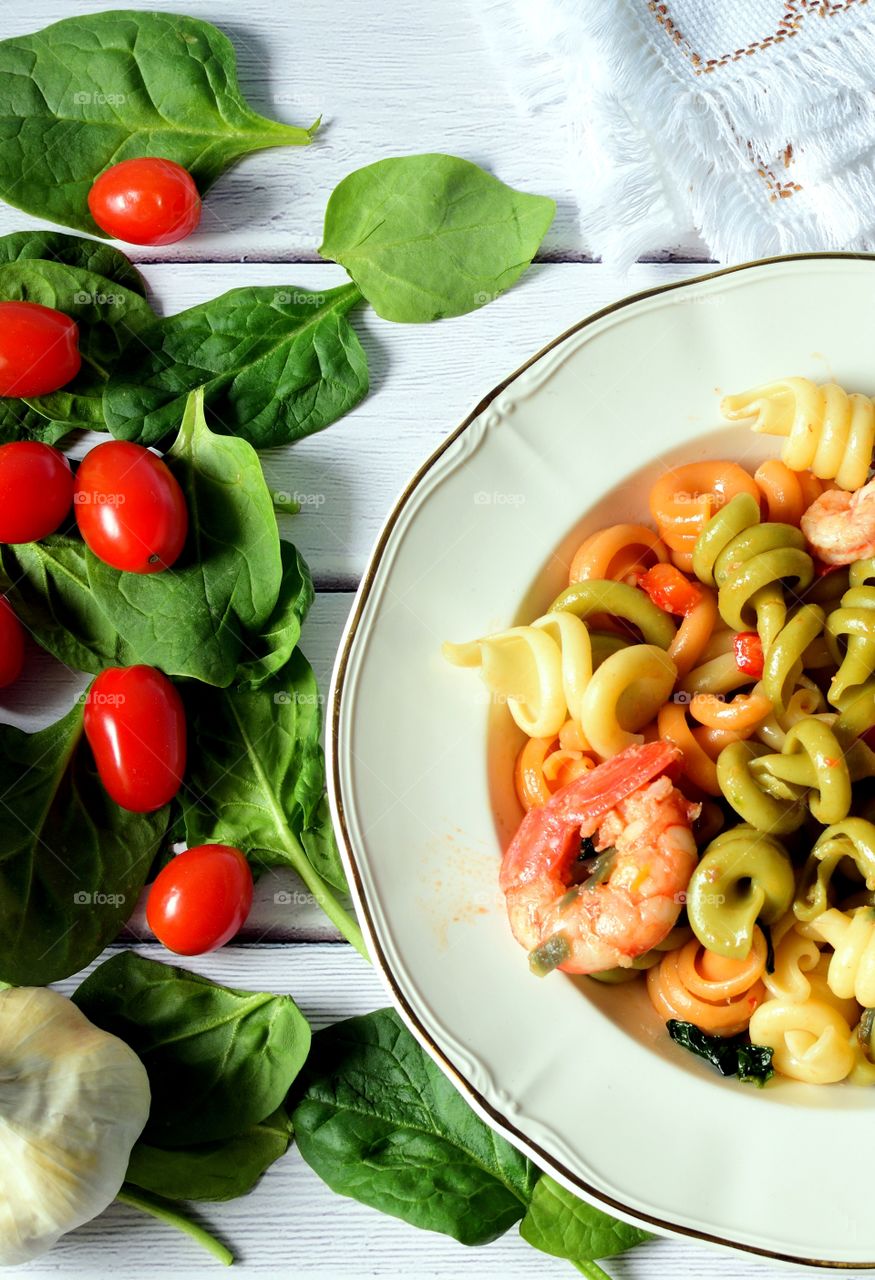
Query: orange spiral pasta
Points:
[786, 494]
[684, 499]
[697, 764]
[694, 633]
[546, 764]
[744, 713]
[715, 993]
[621, 552]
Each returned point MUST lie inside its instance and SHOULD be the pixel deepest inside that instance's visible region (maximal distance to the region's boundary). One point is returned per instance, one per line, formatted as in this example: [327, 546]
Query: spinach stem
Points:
[165, 1212]
[98, 368]
[592, 1270]
[324, 896]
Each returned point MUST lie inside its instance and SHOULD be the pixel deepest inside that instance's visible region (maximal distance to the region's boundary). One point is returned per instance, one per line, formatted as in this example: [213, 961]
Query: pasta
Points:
[717, 994]
[852, 967]
[696, 774]
[827, 431]
[743, 876]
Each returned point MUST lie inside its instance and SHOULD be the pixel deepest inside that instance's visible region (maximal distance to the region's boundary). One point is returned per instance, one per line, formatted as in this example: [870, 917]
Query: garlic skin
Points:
[73, 1101]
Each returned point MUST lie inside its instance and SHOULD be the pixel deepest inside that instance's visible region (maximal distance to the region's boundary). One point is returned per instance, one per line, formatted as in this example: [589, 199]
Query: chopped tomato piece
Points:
[748, 649]
[670, 590]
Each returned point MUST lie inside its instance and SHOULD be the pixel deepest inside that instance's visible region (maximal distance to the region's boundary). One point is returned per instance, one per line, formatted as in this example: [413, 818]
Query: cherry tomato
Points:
[147, 201]
[11, 644]
[39, 349]
[36, 490]
[748, 648]
[129, 508]
[135, 726]
[669, 589]
[200, 899]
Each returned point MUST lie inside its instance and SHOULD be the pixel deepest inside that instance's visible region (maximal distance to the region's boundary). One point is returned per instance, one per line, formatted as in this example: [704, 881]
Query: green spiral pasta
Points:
[749, 562]
[812, 758]
[853, 621]
[856, 710]
[744, 875]
[852, 839]
[779, 809]
[595, 595]
[771, 790]
[786, 656]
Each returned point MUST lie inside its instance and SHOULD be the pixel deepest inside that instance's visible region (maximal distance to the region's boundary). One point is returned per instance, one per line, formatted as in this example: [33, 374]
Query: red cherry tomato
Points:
[135, 726]
[669, 589]
[200, 899]
[748, 649]
[147, 201]
[11, 644]
[39, 349]
[129, 508]
[36, 490]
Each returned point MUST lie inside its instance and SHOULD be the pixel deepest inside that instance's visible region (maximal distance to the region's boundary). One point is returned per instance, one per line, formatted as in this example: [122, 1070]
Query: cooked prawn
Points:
[629, 806]
[840, 526]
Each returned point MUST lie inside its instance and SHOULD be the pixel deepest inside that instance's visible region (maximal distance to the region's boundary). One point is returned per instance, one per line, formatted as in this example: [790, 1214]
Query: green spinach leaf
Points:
[190, 620]
[108, 315]
[47, 585]
[731, 1055]
[257, 778]
[73, 251]
[89, 91]
[268, 651]
[72, 863]
[558, 1223]
[276, 364]
[378, 1121]
[219, 1061]
[212, 1170]
[431, 236]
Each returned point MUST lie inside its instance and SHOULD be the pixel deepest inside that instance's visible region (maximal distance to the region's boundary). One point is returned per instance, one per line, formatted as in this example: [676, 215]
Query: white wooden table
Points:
[388, 77]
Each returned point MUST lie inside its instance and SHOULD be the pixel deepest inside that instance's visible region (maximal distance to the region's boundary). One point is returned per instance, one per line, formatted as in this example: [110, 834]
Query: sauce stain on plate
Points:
[461, 884]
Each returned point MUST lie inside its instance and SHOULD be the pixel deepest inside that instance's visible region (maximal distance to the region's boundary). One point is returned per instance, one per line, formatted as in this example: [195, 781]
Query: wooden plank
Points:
[388, 79]
[293, 1225]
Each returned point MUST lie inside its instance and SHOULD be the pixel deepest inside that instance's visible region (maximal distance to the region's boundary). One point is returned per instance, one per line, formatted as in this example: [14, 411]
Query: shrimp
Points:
[631, 806]
[840, 526]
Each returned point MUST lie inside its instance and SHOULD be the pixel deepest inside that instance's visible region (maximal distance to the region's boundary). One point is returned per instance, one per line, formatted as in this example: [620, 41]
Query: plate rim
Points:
[491, 1115]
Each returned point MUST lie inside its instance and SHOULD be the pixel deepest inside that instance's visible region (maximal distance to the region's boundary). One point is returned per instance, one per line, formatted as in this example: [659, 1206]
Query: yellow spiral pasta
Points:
[743, 876]
[810, 1040]
[541, 670]
[851, 973]
[827, 430]
[624, 695]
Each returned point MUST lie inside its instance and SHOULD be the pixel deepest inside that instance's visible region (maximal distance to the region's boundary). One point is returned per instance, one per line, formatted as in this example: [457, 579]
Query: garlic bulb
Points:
[73, 1101]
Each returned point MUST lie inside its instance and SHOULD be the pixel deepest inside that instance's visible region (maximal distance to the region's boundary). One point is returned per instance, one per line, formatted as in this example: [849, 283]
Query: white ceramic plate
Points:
[582, 1077]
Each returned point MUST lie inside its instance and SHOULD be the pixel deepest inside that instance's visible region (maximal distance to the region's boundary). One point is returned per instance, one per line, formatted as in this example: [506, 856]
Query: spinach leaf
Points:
[108, 315]
[732, 1055]
[276, 365]
[212, 1170]
[87, 92]
[189, 620]
[47, 585]
[72, 863]
[558, 1223]
[268, 651]
[74, 251]
[256, 780]
[19, 422]
[430, 236]
[219, 1060]
[378, 1121]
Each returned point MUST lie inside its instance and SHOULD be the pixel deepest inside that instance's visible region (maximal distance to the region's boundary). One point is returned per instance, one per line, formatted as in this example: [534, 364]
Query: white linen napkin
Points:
[754, 121]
